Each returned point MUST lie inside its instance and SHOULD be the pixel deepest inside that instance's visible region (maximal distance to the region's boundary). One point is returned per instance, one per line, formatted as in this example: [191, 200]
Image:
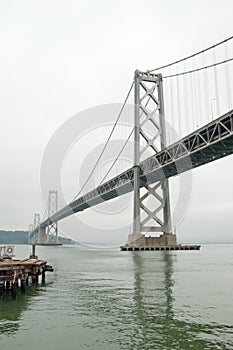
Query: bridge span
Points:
[195, 96]
[207, 144]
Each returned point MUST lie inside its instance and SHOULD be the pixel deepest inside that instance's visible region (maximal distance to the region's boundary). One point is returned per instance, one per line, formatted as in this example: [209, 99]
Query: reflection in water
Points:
[11, 310]
[153, 300]
[157, 325]
[132, 307]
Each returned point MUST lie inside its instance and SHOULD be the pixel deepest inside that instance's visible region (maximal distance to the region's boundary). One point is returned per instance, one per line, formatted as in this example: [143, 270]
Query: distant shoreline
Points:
[21, 237]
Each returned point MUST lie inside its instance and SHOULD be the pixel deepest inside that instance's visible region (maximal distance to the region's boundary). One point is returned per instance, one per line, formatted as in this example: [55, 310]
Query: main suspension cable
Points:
[106, 143]
[193, 55]
[198, 69]
[122, 149]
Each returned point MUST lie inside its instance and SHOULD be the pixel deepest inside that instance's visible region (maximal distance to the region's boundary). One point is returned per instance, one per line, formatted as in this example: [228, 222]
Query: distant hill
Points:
[21, 237]
[13, 237]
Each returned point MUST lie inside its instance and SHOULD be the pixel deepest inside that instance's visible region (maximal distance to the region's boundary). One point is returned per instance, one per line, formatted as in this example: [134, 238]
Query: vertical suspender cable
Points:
[106, 143]
[192, 102]
[186, 101]
[205, 86]
[216, 85]
[172, 110]
[196, 96]
[199, 94]
[178, 105]
[227, 78]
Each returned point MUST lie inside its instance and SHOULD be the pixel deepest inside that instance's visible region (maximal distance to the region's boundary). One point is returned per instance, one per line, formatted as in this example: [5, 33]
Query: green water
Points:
[107, 299]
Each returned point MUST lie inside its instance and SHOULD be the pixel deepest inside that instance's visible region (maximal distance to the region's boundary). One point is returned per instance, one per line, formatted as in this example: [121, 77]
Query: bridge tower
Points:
[35, 225]
[30, 229]
[52, 227]
[151, 211]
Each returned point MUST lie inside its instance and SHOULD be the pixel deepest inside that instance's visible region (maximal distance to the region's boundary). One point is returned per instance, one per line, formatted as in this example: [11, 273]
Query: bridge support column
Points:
[30, 229]
[151, 211]
[136, 208]
[33, 233]
[47, 231]
[52, 227]
[42, 235]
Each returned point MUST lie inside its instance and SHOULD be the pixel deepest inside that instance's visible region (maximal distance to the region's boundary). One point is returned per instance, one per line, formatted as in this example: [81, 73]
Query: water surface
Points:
[108, 299]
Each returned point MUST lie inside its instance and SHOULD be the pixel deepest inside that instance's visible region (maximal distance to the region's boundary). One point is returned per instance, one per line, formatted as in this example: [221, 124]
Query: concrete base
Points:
[177, 247]
[163, 242]
[50, 244]
[140, 240]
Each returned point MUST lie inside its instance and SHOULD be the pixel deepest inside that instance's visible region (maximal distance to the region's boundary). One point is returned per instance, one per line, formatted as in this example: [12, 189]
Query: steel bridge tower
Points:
[151, 211]
[35, 225]
[52, 227]
[30, 229]
[46, 232]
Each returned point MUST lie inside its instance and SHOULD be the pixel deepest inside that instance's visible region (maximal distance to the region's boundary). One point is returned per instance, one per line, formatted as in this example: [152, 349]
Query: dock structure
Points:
[163, 242]
[17, 274]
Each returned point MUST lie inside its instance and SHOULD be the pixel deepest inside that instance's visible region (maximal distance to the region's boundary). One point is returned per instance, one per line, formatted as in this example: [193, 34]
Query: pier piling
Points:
[14, 271]
[1, 289]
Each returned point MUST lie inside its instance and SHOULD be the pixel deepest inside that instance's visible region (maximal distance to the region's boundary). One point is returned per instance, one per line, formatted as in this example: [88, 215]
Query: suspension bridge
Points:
[182, 119]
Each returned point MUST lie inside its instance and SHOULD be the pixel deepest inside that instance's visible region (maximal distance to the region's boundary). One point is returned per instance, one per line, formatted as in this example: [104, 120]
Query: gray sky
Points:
[61, 57]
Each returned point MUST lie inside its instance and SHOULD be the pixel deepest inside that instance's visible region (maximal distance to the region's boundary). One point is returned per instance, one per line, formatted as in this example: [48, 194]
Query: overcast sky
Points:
[59, 58]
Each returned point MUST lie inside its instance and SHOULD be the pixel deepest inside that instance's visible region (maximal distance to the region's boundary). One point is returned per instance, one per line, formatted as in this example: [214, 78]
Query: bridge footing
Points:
[50, 243]
[163, 242]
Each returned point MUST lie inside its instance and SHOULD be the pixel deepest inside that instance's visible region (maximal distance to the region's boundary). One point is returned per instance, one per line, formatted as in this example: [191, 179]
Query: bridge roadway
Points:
[211, 142]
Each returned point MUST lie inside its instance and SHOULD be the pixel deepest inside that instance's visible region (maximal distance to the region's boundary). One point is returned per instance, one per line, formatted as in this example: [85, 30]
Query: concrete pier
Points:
[163, 242]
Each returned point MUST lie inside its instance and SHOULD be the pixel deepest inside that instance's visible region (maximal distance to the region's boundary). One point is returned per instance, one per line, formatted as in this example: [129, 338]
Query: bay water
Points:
[111, 300]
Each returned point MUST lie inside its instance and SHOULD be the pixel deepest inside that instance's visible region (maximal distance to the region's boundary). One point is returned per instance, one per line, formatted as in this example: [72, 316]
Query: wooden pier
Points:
[17, 274]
